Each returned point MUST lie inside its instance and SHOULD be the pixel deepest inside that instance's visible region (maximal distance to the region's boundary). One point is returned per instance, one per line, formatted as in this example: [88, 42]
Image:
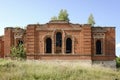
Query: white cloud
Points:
[118, 45]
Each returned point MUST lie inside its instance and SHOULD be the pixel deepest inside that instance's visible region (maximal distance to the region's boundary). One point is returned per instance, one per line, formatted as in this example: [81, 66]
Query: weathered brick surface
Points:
[83, 39]
[1, 46]
[110, 42]
[8, 40]
[107, 36]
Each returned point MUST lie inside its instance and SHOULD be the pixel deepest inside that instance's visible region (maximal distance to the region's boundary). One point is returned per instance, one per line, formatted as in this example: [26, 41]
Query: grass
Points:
[48, 70]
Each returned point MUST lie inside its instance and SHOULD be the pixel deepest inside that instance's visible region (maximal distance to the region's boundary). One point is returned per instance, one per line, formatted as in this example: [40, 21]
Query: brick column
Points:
[73, 45]
[31, 40]
[53, 45]
[87, 39]
[8, 40]
[63, 42]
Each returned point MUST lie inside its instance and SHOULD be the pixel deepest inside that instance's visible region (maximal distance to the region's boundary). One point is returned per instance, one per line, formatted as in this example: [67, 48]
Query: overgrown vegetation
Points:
[63, 15]
[91, 20]
[49, 70]
[118, 62]
[18, 52]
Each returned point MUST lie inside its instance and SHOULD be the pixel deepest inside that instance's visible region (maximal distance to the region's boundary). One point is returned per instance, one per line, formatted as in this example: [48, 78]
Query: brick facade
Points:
[62, 40]
[1, 47]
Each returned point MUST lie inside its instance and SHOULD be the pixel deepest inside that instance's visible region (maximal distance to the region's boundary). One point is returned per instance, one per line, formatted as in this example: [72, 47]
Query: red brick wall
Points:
[8, 41]
[110, 42]
[108, 45]
[1, 47]
[84, 48]
[87, 39]
[36, 35]
[31, 40]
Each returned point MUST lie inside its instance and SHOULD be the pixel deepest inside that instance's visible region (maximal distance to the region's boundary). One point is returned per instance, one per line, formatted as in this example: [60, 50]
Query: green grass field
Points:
[48, 70]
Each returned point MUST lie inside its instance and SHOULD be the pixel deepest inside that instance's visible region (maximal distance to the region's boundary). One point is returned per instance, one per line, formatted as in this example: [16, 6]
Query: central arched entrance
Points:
[68, 45]
[48, 45]
[58, 42]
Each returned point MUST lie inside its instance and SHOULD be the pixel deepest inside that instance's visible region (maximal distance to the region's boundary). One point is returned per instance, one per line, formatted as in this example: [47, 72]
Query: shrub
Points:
[118, 62]
[18, 52]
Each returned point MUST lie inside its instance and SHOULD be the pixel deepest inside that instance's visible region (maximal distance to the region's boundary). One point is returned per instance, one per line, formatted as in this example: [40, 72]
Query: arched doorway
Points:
[48, 45]
[58, 42]
[98, 47]
[68, 45]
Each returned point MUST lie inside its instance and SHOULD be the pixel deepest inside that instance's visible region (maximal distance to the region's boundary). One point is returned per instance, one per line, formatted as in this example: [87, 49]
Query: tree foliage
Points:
[91, 20]
[63, 15]
[54, 18]
[18, 52]
[118, 62]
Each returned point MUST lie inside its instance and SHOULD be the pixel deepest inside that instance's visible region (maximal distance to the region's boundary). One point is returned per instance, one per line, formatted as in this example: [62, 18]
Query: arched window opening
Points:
[98, 47]
[48, 45]
[68, 45]
[58, 42]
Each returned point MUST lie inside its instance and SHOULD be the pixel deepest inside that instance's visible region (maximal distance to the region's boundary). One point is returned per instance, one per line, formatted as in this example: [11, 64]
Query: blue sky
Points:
[22, 12]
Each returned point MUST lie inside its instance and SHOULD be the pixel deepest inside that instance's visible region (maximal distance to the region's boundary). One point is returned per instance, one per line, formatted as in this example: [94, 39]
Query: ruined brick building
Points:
[61, 40]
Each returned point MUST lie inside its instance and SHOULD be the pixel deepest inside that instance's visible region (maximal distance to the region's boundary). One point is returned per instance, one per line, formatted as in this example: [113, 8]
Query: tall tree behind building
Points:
[91, 20]
[63, 15]
[54, 18]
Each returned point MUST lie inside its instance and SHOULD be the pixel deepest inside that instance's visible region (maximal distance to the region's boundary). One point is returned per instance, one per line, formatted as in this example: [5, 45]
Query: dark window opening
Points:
[20, 42]
[68, 45]
[58, 42]
[98, 47]
[48, 45]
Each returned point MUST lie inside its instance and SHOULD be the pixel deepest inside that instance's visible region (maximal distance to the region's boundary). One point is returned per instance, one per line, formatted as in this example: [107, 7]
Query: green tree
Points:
[54, 18]
[91, 20]
[118, 62]
[63, 15]
[18, 52]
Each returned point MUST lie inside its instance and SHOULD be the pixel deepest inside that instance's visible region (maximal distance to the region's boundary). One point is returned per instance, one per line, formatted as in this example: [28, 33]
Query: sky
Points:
[20, 13]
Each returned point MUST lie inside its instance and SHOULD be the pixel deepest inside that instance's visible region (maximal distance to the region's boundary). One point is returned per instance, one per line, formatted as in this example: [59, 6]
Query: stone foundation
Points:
[111, 64]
